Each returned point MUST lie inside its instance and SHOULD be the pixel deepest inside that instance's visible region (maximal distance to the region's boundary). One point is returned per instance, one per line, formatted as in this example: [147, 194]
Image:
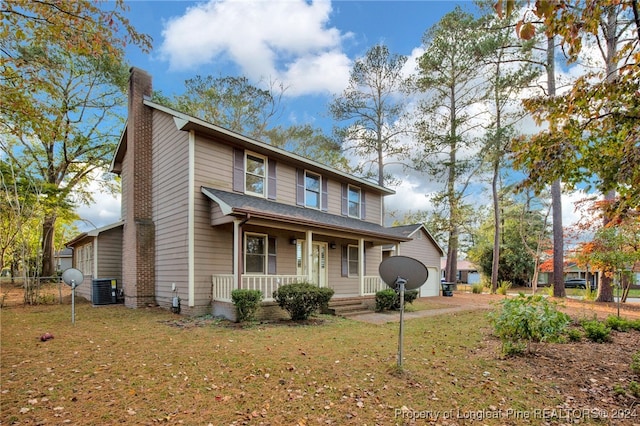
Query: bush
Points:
[596, 331]
[389, 299]
[300, 300]
[635, 363]
[634, 388]
[503, 287]
[590, 295]
[247, 303]
[634, 324]
[524, 320]
[617, 323]
[477, 288]
[574, 335]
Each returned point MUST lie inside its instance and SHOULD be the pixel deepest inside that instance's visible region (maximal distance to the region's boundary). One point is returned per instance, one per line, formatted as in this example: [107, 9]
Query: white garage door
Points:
[432, 286]
[473, 278]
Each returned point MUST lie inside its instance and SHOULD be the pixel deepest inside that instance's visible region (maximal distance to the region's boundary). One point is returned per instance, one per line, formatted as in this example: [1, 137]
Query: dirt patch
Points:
[591, 381]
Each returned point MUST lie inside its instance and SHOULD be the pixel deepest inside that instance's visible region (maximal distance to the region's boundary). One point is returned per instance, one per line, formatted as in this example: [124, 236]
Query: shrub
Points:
[247, 303]
[617, 323]
[389, 299]
[590, 295]
[634, 324]
[635, 363]
[634, 388]
[503, 287]
[524, 320]
[477, 288]
[574, 335]
[300, 300]
[596, 331]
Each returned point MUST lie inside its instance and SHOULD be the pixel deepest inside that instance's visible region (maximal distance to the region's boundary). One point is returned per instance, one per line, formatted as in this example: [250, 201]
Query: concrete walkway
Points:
[462, 302]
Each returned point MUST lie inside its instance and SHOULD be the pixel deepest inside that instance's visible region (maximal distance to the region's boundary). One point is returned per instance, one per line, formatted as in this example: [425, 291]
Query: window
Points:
[354, 201]
[352, 260]
[255, 254]
[84, 259]
[312, 190]
[255, 178]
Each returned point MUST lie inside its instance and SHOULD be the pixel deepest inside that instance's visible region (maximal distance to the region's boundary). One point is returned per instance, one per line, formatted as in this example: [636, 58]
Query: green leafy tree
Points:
[373, 109]
[449, 75]
[519, 231]
[62, 80]
[595, 137]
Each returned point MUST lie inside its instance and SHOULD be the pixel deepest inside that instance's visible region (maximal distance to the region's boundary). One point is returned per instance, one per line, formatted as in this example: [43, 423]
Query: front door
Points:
[319, 264]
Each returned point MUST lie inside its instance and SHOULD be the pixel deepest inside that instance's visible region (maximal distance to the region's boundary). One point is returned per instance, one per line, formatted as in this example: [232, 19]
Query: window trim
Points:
[265, 175]
[318, 192]
[359, 210]
[265, 254]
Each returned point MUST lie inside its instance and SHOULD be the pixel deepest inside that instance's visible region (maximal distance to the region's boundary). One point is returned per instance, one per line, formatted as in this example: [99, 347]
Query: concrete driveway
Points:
[461, 302]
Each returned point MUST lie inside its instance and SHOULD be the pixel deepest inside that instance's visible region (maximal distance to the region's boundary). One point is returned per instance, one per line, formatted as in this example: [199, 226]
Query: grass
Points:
[118, 365]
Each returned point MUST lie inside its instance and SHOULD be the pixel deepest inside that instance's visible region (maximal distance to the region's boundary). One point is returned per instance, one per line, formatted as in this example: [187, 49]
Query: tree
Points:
[595, 137]
[613, 249]
[509, 70]
[62, 76]
[373, 108]
[451, 78]
[520, 230]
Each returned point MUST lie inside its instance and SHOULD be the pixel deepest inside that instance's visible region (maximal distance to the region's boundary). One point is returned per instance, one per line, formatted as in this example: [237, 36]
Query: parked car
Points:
[575, 283]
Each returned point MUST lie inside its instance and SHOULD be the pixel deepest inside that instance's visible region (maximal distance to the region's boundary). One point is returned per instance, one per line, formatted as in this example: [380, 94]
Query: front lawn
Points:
[148, 366]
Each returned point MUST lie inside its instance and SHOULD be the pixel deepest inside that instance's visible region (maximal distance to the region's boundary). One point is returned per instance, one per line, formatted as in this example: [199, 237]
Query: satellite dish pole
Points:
[400, 283]
[414, 274]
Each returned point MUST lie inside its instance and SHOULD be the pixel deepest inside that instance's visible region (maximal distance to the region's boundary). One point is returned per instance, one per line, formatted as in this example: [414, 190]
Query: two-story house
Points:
[206, 210]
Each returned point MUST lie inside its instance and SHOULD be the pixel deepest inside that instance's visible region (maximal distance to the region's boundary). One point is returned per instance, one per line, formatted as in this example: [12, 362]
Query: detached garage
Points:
[423, 248]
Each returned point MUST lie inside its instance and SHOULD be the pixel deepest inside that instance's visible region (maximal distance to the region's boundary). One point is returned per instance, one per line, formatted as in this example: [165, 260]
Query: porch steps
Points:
[347, 308]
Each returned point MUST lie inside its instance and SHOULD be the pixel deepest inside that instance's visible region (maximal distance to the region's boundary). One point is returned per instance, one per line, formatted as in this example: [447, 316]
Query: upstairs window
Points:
[312, 194]
[255, 175]
[354, 201]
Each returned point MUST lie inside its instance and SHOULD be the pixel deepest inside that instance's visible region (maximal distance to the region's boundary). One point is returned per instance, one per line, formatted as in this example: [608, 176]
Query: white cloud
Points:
[287, 40]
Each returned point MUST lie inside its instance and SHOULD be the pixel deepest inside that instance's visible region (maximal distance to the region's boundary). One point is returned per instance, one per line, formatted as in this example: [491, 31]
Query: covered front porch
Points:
[272, 245]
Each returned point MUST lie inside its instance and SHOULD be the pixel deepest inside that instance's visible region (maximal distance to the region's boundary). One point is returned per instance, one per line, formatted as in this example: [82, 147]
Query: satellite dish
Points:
[72, 277]
[405, 268]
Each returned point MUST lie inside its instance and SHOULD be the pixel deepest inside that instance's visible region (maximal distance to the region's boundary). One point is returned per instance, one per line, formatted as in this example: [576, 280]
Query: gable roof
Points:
[410, 231]
[93, 233]
[239, 204]
[187, 123]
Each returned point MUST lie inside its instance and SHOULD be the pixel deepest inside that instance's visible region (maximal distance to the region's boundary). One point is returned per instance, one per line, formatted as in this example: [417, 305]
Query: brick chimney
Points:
[138, 241]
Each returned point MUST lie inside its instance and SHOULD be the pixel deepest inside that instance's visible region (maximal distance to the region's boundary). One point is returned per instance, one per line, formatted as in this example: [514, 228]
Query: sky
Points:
[309, 46]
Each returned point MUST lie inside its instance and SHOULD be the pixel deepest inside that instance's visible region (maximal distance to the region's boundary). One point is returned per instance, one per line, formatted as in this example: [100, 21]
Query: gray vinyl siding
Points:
[421, 249]
[110, 255]
[170, 172]
[373, 206]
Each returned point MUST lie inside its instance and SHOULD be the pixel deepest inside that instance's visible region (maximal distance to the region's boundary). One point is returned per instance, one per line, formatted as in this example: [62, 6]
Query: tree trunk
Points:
[558, 241]
[496, 230]
[556, 188]
[48, 232]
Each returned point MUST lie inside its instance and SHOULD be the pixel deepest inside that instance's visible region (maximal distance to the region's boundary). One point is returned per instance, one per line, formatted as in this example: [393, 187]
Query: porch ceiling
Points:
[235, 204]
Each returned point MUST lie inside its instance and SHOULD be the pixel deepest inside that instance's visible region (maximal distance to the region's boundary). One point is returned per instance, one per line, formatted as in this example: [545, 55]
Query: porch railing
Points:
[373, 284]
[223, 285]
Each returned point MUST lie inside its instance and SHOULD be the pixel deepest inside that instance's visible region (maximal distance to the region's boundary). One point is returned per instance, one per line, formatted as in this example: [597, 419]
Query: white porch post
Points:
[309, 250]
[361, 270]
[398, 249]
[236, 252]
